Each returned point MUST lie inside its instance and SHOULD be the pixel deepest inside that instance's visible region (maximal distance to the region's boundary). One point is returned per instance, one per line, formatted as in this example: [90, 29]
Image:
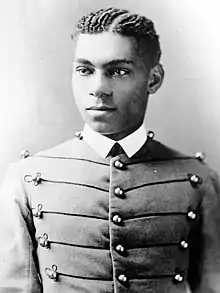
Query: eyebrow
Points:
[110, 63]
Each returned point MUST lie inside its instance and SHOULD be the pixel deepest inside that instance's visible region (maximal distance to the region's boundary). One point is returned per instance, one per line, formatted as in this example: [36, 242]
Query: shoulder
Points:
[161, 151]
[64, 149]
[54, 159]
[190, 164]
[156, 152]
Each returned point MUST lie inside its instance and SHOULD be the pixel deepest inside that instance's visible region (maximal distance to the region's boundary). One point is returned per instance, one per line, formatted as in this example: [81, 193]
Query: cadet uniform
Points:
[77, 222]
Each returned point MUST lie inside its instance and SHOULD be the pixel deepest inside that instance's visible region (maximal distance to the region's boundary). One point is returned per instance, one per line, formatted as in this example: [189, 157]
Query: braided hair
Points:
[122, 22]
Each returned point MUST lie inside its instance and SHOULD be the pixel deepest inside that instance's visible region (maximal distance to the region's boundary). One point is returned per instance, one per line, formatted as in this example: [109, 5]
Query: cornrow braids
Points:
[99, 21]
[122, 22]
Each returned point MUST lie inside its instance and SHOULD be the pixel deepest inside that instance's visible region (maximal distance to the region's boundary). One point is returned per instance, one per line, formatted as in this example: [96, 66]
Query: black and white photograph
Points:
[109, 143]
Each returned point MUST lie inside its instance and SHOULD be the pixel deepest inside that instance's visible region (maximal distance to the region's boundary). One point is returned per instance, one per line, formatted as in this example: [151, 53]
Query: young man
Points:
[111, 210]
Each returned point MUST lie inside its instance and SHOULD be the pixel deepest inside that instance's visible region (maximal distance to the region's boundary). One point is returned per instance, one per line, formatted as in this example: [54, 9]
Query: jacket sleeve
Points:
[18, 262]
[207, 251]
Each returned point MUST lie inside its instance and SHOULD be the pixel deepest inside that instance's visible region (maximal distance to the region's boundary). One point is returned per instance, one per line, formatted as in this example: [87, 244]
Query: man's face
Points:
[110, 82]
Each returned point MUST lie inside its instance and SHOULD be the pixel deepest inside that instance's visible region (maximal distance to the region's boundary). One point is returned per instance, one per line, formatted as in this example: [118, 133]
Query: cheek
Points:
[132, 95]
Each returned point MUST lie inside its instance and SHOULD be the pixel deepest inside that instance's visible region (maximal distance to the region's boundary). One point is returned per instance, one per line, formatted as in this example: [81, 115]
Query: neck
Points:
[122, 134]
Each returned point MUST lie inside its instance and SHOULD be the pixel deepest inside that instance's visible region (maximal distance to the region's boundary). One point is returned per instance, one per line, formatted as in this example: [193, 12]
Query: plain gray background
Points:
[37, 108]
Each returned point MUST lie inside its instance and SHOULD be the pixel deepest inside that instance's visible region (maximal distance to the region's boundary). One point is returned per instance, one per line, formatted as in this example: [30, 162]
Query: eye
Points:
[119, 72]
[83, 71]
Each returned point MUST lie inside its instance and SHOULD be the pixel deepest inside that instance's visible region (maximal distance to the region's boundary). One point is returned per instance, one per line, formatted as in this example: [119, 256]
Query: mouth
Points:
[101, 108]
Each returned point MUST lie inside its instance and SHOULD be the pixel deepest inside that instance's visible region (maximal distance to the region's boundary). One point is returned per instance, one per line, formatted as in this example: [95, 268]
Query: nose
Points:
[100, 86]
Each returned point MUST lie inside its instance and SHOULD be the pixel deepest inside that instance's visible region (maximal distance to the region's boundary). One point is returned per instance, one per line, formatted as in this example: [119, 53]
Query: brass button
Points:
[178, 278]
[52, 273]
[119, 248]
[191, 215]
[36, 179]
[118, 164]
[122, 278]
[200, 156]
[195, 180]
[117, 219]
[43, 241]
[150, 134]
[184, 244]
[79, 135]
[37, 212]
[119, 192]
[25, 154]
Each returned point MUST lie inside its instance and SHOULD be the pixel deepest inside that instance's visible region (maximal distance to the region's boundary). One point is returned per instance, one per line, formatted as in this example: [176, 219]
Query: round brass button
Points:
[178, 278]
[200, 156]
[25, 154]
[52, 273]
[117, 219]
[150, 134]
[119, 248]
[184, 244]
[37, 212]
[191, 215]
[119, 191]
[79, 135]
[122, 278]
[43, 241]
[37, 179]
[118, 164]
[195, 180]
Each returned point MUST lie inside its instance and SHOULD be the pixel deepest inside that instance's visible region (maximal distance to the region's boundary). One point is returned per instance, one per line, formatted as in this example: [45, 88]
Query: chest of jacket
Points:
[127, 225]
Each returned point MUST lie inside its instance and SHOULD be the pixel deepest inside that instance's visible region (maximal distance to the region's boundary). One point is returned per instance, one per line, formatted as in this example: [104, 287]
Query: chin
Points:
[102, 127]
[99, 127]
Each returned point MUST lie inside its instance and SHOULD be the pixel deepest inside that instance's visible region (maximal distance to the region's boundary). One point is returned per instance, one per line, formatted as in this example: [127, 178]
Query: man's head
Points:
[116, 67]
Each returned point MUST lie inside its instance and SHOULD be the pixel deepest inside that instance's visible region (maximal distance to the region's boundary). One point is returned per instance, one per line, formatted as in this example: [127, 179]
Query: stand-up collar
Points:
[102, 144]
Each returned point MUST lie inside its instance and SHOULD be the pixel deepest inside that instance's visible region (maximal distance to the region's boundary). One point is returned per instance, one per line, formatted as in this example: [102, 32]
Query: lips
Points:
[101, 108]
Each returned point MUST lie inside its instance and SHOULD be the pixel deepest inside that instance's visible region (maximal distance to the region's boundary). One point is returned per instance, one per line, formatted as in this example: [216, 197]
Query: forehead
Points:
[104, 47]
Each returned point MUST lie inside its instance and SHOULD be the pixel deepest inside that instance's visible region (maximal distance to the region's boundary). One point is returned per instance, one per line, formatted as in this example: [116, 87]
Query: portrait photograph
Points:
[109, 142]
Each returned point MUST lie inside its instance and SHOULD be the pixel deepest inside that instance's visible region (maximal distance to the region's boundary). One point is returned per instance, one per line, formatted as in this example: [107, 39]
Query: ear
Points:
[156, 77]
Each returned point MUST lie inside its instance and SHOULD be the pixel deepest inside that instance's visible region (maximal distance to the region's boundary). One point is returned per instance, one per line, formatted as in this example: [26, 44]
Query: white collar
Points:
[102, 144]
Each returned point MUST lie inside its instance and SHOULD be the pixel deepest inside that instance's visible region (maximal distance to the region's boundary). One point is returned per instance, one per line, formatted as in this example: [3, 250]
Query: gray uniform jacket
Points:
[74, 222]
